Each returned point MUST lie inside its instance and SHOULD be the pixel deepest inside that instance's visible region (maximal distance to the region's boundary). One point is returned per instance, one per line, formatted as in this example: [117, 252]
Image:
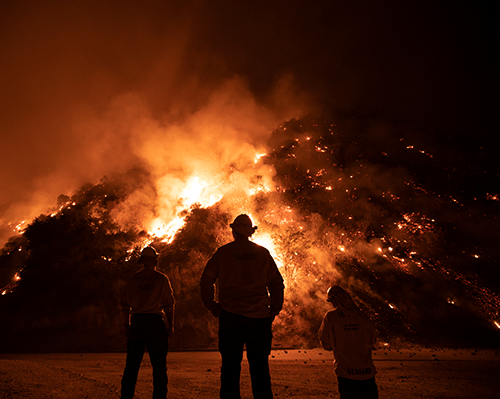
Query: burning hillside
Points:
[334, 204]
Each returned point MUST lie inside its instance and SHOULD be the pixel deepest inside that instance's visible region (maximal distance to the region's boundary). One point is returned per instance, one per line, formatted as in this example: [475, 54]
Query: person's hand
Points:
[170, 331]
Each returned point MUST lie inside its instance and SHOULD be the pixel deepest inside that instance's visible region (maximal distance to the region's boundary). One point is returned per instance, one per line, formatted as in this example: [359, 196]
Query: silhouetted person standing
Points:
[148, 310]
[351, 335]
[250, 295]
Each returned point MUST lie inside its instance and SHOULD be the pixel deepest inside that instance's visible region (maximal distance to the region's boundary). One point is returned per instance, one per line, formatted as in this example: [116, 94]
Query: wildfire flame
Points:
[310, 219]
[265, 239]
[205, 193]
[195, 192]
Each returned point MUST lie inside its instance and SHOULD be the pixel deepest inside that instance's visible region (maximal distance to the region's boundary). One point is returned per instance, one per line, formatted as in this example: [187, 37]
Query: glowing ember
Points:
[20, 227]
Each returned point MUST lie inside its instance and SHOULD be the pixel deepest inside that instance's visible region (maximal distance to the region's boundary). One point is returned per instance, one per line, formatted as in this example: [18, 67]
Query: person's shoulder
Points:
[334, 314]
[329, 316]
[258, 247]
[224, 248]
[228, 245]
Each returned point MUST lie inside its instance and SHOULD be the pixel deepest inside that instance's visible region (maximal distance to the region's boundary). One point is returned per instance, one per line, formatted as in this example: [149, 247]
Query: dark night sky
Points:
[429, 65]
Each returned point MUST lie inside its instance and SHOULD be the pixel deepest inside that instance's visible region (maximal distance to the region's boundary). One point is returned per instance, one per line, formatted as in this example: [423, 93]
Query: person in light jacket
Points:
[350, 334]
[148, 315]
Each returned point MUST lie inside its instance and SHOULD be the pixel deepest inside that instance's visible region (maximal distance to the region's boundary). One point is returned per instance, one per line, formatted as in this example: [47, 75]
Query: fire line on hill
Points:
[385, 219]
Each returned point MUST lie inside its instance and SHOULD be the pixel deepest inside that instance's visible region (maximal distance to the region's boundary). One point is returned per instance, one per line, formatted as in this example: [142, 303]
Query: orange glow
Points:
[205, 188]
[259, 156]
[20, 226]
[264, 239]
[167, 232]
[196, 192]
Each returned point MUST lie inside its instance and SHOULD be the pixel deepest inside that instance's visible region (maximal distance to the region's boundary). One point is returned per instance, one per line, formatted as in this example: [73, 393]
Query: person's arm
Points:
[125, 314]
[276, 289]
[207, 286]
[168, 305]
[170, 321]
[324, 335]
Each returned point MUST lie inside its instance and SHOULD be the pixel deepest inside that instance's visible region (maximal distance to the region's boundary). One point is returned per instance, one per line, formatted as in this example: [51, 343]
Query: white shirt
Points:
[351, 336]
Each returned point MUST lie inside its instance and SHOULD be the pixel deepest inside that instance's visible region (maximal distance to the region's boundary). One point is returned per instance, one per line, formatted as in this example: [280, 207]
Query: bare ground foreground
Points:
[416, 373]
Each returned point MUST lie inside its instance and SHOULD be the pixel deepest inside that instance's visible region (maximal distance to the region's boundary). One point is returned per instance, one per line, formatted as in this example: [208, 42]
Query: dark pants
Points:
[146, 331]
[357, 389]
[235, 331]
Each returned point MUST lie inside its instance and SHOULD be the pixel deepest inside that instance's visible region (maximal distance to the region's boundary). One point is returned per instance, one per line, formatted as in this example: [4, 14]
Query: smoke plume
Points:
[90, 88]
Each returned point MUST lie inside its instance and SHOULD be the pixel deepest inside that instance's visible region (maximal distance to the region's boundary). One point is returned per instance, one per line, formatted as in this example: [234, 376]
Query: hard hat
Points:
[148, 252]
[334, 290]
[243, 225]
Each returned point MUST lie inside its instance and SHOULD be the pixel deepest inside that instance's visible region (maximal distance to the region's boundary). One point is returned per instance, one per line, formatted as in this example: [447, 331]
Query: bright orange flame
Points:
[264, 239]
[167, 232]
[258, 157]
[207, 190]
[195, 192]
[20, 226]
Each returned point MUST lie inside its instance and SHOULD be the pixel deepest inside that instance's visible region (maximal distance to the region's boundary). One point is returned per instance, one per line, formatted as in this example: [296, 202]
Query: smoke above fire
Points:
[96, 88]
[199, 159]
[88, 88]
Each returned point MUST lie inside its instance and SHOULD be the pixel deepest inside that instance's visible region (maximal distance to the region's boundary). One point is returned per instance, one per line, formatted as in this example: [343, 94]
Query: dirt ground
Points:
[416, 373]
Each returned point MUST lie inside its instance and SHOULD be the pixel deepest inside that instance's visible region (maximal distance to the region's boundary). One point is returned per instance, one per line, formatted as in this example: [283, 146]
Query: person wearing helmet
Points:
[350, 334]
[148, 310]
[250, 296]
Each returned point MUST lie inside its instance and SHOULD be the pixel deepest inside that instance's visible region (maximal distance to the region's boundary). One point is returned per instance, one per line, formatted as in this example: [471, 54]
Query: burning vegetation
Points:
[385, 219]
